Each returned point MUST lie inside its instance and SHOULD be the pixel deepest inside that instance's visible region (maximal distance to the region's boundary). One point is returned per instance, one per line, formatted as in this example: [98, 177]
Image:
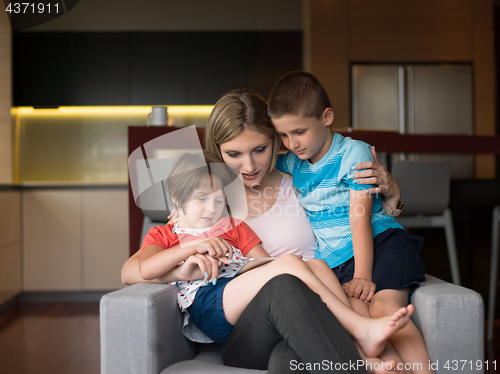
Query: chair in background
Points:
[495, 243]
[425, 187]
[153, 200]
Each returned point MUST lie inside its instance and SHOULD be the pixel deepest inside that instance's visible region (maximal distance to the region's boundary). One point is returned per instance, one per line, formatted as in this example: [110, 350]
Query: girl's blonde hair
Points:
[234, 112]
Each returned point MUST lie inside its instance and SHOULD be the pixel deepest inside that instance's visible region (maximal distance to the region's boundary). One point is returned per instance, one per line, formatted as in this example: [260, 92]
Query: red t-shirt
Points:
[239, 235]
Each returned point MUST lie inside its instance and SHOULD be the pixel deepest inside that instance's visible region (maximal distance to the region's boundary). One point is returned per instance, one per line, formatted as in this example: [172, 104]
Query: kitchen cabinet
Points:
[41, 69]
[105, 238]
[10, 245]
[158, 69]
[147, 68]
[99, 74]
[74, 239]
[52, 240]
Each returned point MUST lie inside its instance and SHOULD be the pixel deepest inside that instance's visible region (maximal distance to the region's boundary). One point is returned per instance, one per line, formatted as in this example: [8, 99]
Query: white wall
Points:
[179, 15]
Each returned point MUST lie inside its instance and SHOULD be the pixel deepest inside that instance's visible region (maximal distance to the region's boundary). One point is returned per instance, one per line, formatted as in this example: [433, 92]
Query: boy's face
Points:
[308, 137]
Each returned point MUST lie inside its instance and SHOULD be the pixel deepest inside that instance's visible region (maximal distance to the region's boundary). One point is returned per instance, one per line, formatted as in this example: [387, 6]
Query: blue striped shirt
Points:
[323, 189]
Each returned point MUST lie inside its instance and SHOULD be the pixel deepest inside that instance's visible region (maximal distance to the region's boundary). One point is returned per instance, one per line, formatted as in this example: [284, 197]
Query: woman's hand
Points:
[377, 174]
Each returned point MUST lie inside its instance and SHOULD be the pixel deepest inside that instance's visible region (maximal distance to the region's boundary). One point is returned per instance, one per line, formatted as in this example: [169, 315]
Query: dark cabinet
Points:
[158, 69]
[147, 68]
[41, 71]
[100, 72]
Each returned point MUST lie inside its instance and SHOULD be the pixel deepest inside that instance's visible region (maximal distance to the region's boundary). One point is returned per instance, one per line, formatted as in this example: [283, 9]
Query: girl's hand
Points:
[200, 266]
[360, 288]
[377, 174]
[215, 247]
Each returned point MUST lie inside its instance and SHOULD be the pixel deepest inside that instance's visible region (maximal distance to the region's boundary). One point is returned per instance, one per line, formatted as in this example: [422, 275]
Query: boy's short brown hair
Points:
[298, 93]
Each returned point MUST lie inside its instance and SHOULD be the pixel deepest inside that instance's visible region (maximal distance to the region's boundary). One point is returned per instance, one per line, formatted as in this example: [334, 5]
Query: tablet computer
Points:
[253, 262]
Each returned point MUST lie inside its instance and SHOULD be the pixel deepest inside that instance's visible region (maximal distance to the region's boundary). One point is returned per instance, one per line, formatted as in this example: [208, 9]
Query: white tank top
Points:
[285, 227]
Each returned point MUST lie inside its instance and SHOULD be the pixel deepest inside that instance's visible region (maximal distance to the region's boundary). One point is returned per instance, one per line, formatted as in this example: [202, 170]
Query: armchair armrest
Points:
[141, 330]
[451, 320]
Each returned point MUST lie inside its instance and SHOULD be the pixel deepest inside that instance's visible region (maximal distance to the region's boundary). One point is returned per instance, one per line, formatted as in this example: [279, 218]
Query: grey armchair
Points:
[141, 331]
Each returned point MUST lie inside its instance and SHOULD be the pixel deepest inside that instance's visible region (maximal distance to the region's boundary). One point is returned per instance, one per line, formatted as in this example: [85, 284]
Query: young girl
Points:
[215, 306]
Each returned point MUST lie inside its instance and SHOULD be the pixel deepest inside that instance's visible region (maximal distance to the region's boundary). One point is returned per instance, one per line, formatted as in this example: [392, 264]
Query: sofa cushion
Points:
[207, 363]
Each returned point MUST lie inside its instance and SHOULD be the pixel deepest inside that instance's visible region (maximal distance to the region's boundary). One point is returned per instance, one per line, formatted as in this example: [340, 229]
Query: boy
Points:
[376, 261]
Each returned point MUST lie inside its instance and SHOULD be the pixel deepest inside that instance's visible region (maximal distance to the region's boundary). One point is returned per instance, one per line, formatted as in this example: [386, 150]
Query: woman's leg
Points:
[285, 309]
[370, 334]
[284, 359]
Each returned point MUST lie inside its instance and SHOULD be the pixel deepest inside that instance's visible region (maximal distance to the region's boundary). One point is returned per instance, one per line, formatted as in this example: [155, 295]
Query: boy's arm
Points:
[360, 216]
[284, 162]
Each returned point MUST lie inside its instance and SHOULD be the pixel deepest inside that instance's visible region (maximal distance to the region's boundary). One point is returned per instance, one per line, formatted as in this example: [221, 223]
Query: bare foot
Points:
[390, 354]
[377, 366]
[373, 334]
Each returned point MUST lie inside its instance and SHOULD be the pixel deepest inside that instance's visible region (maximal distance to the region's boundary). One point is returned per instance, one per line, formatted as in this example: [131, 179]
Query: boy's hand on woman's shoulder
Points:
[360, 288]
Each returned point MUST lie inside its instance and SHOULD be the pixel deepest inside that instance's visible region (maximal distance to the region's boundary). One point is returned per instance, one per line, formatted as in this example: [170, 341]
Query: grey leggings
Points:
[287, 328]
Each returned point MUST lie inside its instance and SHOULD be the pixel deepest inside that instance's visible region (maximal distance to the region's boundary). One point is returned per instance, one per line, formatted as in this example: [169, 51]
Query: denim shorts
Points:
[207, 313]
[396, 263]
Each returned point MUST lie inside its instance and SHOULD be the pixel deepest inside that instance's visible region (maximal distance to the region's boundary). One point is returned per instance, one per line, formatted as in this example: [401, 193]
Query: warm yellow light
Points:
[174, 110]
[190, 109]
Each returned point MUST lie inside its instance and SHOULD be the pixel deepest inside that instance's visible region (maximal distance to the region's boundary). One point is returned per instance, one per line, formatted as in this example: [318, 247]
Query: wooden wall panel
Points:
[485, 78]
[10, 272]
[329, 61]
[10, 245]
[5, 100]
[410, 30]
[10, 218]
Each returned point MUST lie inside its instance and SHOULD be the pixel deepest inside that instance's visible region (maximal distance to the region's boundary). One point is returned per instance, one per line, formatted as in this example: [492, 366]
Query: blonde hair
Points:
[234, 112]
[192, 171]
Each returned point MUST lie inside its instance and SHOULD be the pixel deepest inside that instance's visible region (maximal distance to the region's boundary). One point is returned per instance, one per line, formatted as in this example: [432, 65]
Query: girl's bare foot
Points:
[373, 334]
[390, 354]
[377, 366]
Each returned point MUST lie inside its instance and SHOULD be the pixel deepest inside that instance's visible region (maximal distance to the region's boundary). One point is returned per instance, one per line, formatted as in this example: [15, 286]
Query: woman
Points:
[239, 132]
